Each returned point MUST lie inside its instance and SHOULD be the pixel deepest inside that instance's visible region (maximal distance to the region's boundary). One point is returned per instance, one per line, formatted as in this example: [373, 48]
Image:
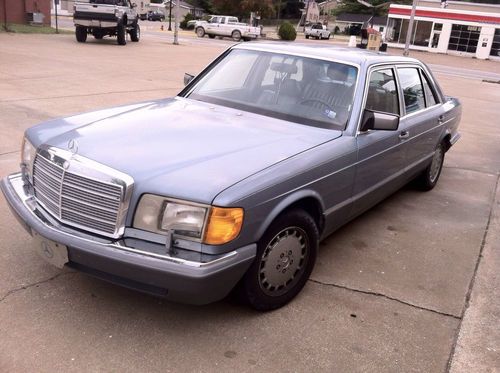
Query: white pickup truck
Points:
[106, 18]
[317, 31]
[226, 26]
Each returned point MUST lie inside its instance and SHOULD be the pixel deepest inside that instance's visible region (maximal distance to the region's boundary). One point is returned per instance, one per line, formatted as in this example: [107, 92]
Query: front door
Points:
[381, 154]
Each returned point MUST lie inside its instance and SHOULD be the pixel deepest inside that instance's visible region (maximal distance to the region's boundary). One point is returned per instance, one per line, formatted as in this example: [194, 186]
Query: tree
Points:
[244, 7]
[380, 7]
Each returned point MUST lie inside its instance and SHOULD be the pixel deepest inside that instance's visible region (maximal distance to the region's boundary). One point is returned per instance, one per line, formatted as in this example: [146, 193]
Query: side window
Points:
[430, 94]
[382, 92]
[413, 91]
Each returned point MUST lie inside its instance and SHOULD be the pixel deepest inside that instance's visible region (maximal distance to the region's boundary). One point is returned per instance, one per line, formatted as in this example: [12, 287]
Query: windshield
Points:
[299, 89]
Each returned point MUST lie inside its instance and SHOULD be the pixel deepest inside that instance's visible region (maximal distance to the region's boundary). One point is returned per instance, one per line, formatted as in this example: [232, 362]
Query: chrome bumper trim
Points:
[31, 206]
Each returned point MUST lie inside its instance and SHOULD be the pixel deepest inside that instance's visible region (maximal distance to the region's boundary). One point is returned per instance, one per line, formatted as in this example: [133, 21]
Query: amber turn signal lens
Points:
[224, 225]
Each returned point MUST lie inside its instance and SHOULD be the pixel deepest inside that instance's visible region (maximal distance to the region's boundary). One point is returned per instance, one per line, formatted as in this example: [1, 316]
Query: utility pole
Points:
[170, 16]
[410, 28]
[176, 28]
[56, 3]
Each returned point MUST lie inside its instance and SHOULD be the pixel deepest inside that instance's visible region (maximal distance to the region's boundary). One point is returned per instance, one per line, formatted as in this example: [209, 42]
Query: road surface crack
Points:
[24, 287]
[377, 294]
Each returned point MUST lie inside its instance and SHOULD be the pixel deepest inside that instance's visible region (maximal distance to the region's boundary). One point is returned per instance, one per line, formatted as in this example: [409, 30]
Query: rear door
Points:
[381, 155]
[422, 114]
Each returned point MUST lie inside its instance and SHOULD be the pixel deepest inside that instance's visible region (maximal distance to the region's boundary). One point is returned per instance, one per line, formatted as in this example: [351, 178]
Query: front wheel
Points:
[121, 34]
[285, 258]
[307, 36]
[81, 34]
[135, 33]
[236, 35]
[429, 178]
[200, 32]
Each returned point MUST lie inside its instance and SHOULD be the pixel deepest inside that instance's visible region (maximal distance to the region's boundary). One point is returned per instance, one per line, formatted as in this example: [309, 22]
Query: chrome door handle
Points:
[441, 119]
[404, 135]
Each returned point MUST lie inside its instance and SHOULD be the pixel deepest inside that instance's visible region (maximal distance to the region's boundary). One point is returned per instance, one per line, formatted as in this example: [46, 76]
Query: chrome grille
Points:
[76, 199]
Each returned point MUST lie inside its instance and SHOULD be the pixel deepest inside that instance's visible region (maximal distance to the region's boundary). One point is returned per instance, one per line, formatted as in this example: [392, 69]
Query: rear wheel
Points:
[285, 258]
[81, 34]
[429, 178]
[121, 34]
[236, 35]
[135, 33]
[200, 32]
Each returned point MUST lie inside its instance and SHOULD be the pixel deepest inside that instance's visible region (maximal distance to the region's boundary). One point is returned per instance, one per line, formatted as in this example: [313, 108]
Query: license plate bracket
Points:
[51, 251]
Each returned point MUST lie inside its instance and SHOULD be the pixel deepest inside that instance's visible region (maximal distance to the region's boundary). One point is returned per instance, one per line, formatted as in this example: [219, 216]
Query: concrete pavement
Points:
[390, 292]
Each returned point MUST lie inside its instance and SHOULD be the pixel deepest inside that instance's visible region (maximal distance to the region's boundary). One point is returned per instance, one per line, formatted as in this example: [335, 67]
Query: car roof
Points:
[361, 57]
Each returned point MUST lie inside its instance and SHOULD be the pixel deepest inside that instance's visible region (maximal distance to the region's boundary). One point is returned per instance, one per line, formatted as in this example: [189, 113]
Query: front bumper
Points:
[177, 279]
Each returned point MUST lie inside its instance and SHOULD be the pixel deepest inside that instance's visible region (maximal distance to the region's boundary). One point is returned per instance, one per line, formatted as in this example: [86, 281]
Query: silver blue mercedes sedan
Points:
[230, 185]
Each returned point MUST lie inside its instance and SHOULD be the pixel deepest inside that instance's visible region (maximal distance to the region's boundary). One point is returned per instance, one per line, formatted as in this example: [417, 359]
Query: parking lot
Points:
[412, 285]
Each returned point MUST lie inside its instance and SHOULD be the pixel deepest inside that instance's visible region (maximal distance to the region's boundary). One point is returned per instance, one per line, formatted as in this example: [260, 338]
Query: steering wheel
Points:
[318, 101]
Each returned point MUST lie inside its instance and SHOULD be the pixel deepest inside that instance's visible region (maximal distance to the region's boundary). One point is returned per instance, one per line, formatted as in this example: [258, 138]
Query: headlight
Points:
[28, 152]
[192, 221]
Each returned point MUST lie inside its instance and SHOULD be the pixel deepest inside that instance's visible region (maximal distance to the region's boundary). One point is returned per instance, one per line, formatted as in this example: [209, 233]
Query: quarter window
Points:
[382, 92]
[412, 89]
[430, 95]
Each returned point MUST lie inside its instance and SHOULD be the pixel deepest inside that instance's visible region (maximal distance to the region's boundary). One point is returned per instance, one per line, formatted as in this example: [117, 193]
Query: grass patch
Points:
[29, 29]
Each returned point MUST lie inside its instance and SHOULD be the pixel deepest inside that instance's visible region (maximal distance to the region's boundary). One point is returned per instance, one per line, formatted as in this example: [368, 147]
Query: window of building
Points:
[412, 89]
[464, 38]
[495, 47]
[398, 29]
[382, 93]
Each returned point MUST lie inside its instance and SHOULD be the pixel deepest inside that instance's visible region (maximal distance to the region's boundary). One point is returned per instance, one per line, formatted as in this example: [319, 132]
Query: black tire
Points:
[211, 36]
[428, 179]
[135, 33]
[290, 243]
[236, 35]
[200, 32]
[307, 36]
[81, 34]
[121, 34]
[329, 35]
[98, 34]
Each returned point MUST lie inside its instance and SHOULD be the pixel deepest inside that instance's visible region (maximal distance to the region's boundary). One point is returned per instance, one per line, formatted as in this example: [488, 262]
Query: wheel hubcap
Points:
[437, 160]
[283, 261]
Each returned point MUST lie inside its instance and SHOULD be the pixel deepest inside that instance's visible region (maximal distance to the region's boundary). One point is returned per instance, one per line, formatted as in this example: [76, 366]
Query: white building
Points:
[468, 29]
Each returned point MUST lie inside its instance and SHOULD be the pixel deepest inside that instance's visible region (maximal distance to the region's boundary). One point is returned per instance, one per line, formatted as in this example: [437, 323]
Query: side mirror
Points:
[375, 120]
[187, 78]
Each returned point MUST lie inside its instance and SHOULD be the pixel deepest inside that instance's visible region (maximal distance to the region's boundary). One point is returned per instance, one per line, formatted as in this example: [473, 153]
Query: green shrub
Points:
[287, 31]
[188, 17]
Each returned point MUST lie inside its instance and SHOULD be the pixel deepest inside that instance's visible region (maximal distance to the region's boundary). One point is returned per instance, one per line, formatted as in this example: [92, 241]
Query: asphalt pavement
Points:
[410, 286]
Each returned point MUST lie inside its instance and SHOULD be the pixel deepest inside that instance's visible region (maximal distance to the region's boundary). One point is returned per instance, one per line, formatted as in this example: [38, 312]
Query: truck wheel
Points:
[307, 36]
[236, 35]
[121, 34]
[135, 33]
[329, 35]
[200, 32]
[81, 34]
[211, 36]
[286, 254]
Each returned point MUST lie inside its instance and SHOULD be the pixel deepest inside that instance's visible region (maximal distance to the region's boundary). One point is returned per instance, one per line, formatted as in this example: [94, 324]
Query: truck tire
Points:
[307, 36]
[81, 34]
[135, 33]
[236, 35]
[200, 32]
[121, 33]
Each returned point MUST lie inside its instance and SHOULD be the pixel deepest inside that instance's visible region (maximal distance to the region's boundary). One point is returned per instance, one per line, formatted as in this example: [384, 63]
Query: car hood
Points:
[182, 148]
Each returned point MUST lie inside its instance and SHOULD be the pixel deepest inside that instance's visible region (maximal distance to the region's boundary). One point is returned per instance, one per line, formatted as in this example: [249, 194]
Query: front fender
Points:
[284, 204]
